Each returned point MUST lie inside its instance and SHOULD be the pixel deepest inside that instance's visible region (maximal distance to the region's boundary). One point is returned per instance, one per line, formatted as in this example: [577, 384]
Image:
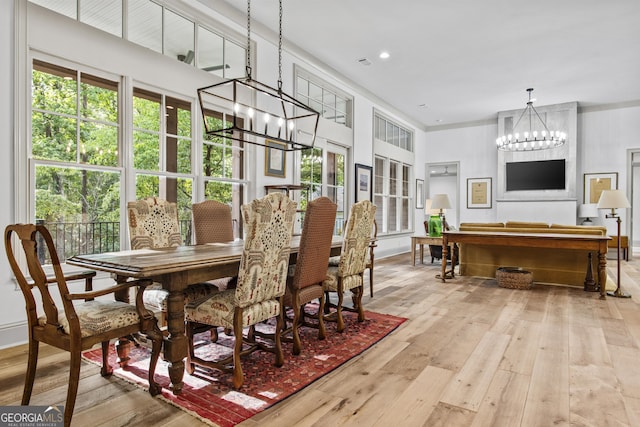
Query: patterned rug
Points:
[209, 395]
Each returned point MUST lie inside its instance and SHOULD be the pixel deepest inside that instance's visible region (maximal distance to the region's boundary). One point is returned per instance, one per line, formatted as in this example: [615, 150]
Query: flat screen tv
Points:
[538, 175]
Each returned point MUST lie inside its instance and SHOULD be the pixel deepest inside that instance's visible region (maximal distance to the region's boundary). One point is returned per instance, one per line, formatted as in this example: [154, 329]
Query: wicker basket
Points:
[514, 278]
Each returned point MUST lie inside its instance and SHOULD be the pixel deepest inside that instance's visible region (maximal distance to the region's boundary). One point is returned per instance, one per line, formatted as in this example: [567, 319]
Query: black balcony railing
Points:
[81, 238]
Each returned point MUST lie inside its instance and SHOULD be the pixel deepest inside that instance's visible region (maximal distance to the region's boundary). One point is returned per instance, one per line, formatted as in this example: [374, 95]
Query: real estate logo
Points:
[32, 416]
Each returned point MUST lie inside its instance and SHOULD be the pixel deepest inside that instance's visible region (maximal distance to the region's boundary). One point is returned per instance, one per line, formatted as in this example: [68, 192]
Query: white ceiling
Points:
[466, 59]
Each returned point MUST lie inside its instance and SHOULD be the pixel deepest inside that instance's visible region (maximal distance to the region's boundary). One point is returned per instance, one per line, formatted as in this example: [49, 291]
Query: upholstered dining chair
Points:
[82, 320]
[304, 283]
[349, 273]
[212, 223]
[268, 224]
[153, 224]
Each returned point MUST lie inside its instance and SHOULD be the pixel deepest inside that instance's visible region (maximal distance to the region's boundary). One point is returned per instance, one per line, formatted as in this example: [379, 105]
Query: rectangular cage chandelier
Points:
[255, 113]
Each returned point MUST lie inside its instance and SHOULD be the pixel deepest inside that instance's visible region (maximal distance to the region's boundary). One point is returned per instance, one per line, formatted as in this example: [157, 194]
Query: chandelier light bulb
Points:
[526, 135]
[250, 113]
[236, 108]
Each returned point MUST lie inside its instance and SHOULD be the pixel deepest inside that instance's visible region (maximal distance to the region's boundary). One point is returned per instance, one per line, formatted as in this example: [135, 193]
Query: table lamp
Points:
[615, 199]
[441, 202]
[588, 211]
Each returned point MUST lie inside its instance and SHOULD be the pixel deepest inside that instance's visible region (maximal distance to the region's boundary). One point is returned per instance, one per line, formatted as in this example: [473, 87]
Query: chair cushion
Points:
[349, 282]
[97, 317]
[155, 297]
[219, 309]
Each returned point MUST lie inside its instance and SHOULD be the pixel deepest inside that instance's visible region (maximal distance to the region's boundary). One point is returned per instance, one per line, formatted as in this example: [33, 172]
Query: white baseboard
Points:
[13, 335]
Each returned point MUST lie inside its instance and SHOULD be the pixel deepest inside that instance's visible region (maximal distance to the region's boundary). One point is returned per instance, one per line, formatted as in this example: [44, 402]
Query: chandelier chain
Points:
[248, 67]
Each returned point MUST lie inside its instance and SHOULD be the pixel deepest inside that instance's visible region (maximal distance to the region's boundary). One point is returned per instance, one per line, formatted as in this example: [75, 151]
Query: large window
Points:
[393, 171]
[80, 182]
[162, 151]
[76, 157]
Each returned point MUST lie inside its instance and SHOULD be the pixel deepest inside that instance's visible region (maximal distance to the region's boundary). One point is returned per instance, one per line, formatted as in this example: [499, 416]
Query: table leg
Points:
[602, 273]
[175, 345]
[413, 251]
[445, 250]
[421, 253]
[122, 344]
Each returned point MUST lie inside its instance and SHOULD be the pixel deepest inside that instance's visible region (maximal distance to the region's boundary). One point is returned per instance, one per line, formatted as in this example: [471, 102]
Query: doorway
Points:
[444, 178]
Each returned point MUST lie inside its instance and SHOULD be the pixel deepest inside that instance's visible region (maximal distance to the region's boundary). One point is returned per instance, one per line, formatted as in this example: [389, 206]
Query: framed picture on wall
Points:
[419, 193]
[596, 183]
[275, 160]
[478, 193]
[364, 181]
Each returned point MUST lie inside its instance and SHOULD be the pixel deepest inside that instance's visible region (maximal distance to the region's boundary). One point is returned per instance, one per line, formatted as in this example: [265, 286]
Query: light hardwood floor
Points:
[471, 354]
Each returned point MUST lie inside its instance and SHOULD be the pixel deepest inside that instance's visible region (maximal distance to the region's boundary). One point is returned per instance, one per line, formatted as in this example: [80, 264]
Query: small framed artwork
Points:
[419, 193]
[596, 183]
[478, 193]
[364, 190]
[275, 160]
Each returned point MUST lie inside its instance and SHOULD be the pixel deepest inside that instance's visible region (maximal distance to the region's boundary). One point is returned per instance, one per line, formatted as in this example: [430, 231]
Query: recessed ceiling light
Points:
[384, 55]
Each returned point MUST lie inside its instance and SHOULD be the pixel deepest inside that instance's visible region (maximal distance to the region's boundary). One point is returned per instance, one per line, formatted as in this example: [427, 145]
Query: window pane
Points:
[98, 144]
[178, 117]
[210, 52]
[302, 86]
[235, 60]
[103, 14]
[146, 110]
[65, 7]
[146, 151]
[53, 137]
[393, 217]
[53, 88]
[81, 209]
[178, 36]
[145, 24]
[99, 98]
[393, 178]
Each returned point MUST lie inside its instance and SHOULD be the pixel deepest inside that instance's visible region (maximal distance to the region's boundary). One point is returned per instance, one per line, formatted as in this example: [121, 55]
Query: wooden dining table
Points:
[176, 268]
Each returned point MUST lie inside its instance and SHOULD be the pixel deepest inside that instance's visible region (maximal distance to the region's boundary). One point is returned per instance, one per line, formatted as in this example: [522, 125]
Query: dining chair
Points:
[268, 223]
[82, 321]
[212, 223]
[153, 224]
[305, 278]
[349, 273]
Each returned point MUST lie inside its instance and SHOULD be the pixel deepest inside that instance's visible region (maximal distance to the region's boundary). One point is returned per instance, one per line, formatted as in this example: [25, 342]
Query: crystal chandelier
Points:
[531, 140]
[256, 113]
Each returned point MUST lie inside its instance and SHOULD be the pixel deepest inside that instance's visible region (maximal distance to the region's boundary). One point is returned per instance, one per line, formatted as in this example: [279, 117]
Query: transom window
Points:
[161, 29]
[329, 102]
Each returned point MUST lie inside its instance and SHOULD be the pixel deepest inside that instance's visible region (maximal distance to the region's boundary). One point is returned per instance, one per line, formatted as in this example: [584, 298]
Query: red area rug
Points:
[209, 395]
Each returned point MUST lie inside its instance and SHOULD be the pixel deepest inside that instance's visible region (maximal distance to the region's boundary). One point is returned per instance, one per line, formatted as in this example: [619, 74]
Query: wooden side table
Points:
[422, 240]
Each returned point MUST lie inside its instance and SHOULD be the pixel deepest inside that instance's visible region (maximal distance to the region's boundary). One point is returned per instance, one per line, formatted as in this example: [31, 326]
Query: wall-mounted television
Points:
[537, 175]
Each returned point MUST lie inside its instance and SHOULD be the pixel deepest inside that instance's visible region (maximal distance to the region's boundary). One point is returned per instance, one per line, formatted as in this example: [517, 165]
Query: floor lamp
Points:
[615, 199]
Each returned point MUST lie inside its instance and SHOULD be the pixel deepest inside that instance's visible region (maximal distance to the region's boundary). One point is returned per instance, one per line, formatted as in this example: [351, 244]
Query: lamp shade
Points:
[613, 199]
[441, 201]
[428, 208]
[589, 210]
